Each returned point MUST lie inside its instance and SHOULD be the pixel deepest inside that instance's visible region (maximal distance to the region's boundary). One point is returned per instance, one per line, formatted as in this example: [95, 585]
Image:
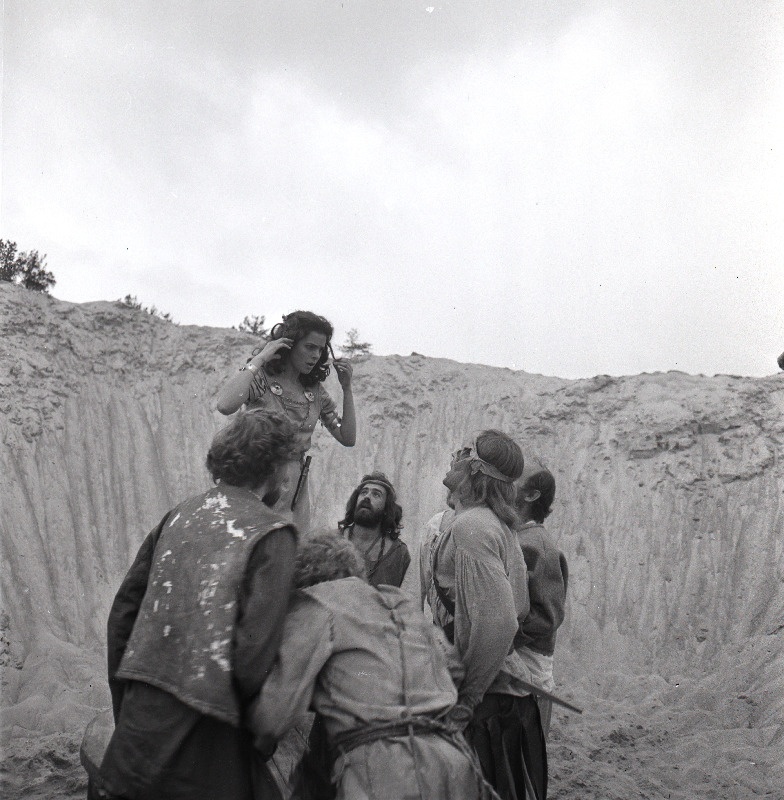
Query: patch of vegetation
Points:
[353, 348]
[131, 301]
[25, 269]
[254, 325]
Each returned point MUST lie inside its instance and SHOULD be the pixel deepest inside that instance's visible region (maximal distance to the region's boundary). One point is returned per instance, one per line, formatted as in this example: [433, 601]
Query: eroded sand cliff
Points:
[670, 509]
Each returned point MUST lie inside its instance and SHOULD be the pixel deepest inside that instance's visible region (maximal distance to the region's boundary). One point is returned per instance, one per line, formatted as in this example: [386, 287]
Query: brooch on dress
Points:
[309, 396]
[276, 388]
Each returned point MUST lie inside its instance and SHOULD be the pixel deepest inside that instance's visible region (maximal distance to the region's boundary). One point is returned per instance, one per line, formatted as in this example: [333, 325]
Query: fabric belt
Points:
[493, 704]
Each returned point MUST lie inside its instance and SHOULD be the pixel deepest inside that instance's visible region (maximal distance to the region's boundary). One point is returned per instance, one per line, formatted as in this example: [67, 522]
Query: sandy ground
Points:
[637, 738]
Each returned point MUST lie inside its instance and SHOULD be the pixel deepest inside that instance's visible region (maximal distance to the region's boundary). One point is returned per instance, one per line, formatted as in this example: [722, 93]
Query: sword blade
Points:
[537, 690]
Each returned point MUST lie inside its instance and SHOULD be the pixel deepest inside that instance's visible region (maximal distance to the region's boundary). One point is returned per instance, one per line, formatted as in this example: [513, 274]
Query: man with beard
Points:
[195, 627]
[372, 523]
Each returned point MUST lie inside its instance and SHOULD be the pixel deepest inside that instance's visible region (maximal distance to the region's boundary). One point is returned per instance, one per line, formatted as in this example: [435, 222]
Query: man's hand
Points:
[458, 718]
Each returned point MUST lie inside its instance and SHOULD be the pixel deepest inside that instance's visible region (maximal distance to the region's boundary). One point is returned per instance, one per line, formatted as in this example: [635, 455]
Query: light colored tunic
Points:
[481, 568]
[360, 656]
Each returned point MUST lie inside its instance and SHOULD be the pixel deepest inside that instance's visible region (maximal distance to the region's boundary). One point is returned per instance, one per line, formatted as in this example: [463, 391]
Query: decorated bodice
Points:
[304, 409]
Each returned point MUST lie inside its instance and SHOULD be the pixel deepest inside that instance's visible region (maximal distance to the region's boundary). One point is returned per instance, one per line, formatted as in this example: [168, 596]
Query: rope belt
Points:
[411, 726]
[415, 726]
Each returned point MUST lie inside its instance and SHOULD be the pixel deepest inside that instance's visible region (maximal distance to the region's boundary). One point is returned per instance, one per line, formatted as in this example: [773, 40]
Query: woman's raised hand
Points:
[344, 370]
[271, 351]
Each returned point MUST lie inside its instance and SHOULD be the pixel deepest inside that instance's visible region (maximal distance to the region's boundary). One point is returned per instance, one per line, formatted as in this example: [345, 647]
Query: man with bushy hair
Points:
[379, 675]
[479, 598]
[195, 625]
[372, 523]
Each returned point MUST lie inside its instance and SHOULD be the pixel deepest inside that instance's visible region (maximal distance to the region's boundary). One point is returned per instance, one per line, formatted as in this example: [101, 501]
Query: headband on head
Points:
[477, 464]
[383, 481]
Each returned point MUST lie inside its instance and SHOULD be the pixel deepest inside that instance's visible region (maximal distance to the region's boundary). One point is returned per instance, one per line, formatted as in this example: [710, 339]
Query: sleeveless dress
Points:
[304, 410]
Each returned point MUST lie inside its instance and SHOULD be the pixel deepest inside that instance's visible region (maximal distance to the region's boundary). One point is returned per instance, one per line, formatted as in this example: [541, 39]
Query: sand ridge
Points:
[670, 509]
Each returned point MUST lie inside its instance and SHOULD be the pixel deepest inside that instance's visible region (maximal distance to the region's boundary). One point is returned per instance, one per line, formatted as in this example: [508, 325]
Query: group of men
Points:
[230, 627]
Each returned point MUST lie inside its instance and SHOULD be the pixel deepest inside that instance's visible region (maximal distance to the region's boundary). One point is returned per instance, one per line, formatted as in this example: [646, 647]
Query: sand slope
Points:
[670, 510]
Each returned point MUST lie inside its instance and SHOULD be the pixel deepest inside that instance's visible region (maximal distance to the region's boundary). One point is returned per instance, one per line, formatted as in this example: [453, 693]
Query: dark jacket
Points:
[548, 579]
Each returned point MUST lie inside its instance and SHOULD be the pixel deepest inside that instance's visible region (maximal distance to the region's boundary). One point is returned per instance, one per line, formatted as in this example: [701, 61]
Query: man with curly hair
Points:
[380, 676]
[195, 626]
[372, 523]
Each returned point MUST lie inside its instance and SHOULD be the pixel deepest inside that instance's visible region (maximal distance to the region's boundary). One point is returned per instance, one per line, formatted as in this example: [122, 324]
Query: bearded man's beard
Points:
[367, 517]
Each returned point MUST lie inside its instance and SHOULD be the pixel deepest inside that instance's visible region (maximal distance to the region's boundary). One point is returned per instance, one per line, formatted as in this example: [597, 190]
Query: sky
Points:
[571, 188]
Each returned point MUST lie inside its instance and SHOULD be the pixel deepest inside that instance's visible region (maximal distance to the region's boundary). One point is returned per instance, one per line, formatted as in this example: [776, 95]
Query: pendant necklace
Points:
[366, 553]
[277, 390]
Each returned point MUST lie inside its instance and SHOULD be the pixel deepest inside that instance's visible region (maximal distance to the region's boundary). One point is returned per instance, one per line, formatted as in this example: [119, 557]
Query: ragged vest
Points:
[182, 640]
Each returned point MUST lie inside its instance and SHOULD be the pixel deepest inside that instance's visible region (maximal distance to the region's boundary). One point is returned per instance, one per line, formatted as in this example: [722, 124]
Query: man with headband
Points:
[480, 589]
[372, 523]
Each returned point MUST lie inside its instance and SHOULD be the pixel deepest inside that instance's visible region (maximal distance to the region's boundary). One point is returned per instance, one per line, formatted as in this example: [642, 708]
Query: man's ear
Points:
[531, 495]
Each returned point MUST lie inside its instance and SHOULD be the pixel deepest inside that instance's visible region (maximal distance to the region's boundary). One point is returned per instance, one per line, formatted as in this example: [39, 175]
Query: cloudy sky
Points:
[570, 188]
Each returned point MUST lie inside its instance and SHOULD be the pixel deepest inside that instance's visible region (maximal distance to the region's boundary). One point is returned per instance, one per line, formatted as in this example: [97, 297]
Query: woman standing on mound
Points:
[287, 374]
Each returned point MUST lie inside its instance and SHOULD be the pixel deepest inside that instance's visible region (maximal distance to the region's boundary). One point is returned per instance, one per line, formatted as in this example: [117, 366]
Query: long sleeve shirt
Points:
[481, 568]
[548, 578]
[357, 655]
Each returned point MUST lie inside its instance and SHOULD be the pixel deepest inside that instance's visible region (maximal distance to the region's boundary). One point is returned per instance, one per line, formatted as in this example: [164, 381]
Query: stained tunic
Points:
[182, 639]
[163, 747]
[361, 656]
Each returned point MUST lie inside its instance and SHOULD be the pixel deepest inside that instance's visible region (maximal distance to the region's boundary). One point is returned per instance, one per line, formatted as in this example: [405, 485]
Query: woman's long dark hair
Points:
[296, 326]
[393, 512]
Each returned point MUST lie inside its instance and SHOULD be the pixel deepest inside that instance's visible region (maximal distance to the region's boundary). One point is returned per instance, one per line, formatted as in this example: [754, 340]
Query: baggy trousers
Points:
[506, 733]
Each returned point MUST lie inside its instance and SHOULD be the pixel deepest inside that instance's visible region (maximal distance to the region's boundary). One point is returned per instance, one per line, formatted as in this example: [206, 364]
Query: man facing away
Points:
[378, 674]
[195, 626]
[480, 595]
[372, 524]
[548, 578]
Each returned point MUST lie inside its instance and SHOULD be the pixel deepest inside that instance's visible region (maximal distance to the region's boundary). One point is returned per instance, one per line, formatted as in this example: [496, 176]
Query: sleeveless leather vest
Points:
[183, 636]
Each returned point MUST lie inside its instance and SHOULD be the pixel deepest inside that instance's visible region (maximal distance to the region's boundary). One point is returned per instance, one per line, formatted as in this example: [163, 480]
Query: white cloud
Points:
[566, 193]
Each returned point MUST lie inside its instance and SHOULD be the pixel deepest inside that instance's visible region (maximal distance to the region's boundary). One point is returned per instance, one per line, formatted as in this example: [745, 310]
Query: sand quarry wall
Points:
[670, 504]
